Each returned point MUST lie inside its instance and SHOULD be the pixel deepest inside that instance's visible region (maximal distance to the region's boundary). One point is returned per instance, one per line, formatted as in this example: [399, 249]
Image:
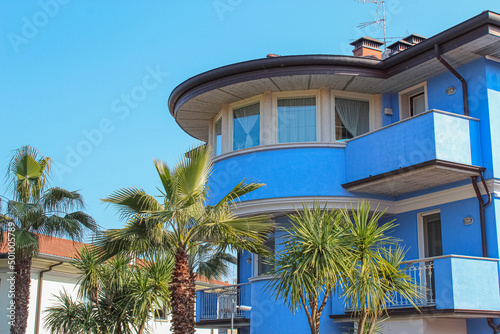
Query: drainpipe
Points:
[459, 77]
[39, 296]
[482, 205]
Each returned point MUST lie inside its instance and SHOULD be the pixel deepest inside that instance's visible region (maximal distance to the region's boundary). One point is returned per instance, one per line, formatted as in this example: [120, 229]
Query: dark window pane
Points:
[432, 235]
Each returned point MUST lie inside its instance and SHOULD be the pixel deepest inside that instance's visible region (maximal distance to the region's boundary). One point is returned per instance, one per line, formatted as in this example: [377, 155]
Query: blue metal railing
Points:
[217, 303]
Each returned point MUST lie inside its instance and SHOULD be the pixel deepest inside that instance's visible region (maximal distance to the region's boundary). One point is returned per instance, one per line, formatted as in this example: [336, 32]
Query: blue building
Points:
[415, 130]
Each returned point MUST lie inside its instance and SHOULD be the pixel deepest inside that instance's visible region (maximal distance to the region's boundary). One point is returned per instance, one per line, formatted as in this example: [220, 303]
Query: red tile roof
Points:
[52, 246]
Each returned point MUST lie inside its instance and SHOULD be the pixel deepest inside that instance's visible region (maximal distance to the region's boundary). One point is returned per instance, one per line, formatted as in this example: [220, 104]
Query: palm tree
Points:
[119, 296]
[149, 288]
[69, 316]
[376, 269]
[310, 265]
[37, 212]
[182, 221]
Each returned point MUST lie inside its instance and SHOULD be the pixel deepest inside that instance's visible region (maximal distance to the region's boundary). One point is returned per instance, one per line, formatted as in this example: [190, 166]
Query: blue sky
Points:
[87, 82]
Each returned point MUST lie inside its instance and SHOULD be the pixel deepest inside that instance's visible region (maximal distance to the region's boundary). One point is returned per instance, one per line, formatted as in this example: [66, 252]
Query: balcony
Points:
[450, 286]
[422, 273]
[214, 306]
[428, 150]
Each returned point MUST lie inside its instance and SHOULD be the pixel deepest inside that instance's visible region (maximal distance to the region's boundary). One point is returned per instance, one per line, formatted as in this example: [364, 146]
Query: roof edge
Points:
[264, 64]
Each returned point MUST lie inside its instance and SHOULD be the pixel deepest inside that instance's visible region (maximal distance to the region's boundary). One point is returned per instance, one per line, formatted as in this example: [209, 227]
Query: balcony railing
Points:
[217, 303]
[422, 274]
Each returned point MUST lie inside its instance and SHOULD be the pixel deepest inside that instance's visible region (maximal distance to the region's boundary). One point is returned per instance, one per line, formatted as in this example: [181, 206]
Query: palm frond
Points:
[59, 199]
[191, 174]
[166, 178]
[67, 316]
[133, 201]
[28, 172]
[238, 191]
[139, 236]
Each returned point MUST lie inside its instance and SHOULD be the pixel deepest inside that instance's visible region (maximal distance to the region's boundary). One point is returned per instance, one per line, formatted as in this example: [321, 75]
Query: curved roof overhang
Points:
[198, 100]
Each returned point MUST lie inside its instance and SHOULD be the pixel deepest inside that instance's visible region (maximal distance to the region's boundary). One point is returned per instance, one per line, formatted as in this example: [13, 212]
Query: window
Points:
[433, 244]
[296, 120]
[160, 314]
[246, 127]
[218, 137]
[263, 266]
[417, 104]
[352, 118]
[413, 101]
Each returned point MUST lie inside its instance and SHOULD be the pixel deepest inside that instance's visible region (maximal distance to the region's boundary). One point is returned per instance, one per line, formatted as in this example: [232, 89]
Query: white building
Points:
[50, 274]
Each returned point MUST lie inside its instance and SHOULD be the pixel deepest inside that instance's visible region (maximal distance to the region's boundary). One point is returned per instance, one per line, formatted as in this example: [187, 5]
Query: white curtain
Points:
[297, 120]
[354, 115]
[246, 127]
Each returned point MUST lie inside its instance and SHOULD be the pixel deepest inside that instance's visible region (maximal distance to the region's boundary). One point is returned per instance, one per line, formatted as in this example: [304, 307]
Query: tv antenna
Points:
[380, 12]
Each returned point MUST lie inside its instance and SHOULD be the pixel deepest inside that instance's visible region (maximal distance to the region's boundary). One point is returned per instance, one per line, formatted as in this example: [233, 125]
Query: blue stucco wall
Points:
[287, 172]
[479, 326]
[426, 137]
[458, 238]
[274, 317]
[466, 284]
[492, 217]
[493, 96]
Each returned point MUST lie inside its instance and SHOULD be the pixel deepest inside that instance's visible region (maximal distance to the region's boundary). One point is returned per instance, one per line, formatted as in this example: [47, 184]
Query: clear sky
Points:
[87, 82]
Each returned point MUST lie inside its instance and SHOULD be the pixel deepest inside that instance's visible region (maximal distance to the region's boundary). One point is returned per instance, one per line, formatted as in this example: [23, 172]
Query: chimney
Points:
[399, 46]
[367, 47]
[414, 39]
[405, 43]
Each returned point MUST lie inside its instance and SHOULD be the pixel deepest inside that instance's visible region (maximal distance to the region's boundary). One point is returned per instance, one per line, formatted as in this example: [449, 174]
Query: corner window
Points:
[246, 127]
[296, 120]
[413, 101]
[218, 137]
[352, 118]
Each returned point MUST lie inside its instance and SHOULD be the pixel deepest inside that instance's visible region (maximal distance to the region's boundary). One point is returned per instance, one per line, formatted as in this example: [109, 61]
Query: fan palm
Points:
[180, 222]
[310, 264]
[37, 212]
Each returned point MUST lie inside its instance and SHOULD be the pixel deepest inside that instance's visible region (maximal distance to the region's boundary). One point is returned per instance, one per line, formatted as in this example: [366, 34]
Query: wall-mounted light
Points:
[249, 260]
[451, 90]
[388, 111]
[468, 220]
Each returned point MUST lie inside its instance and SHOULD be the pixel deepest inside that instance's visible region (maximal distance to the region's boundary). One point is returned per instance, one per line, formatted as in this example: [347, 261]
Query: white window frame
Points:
[214, 135]
[297, 95]
[241, 104]
[166, 315]
[404, 99]
[420, 230]
[351, 96]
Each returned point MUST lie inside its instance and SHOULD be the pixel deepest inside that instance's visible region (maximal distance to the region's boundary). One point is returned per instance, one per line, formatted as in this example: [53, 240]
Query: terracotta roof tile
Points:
[52, 246]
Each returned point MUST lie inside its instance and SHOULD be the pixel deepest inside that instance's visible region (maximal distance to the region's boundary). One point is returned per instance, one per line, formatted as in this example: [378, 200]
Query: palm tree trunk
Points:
[373, 323]
[362, 321]
[22, 294]
[143, 322]
[182, 296]
[192, 291]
